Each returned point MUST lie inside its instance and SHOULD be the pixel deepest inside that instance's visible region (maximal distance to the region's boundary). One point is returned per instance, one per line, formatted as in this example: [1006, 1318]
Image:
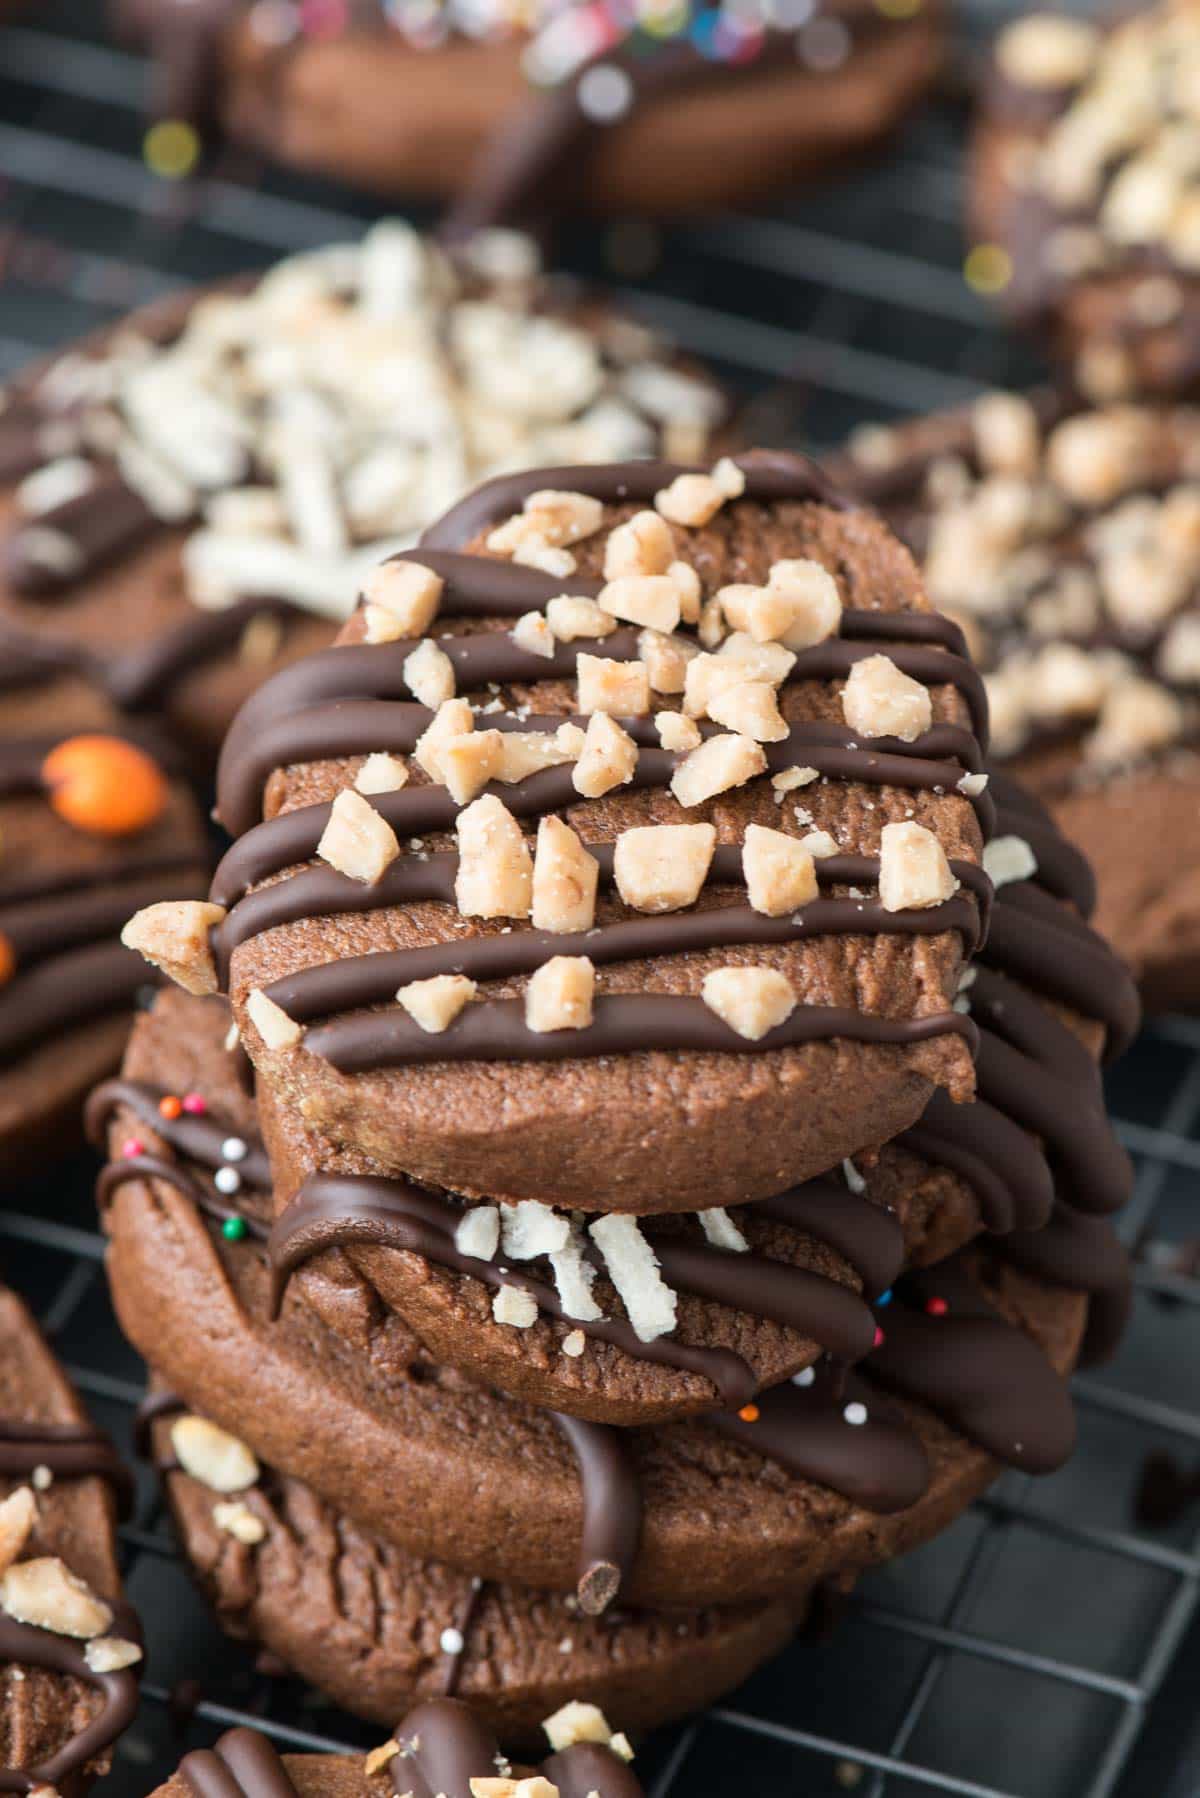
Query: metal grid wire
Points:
[1018, 1656]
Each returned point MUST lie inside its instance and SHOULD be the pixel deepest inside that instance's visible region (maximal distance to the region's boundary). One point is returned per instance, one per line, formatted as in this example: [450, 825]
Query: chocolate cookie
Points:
[1086, 173]
[379, 1630]
[90, 827]
[70, 1649]
[1066, 541]
[733, 1048]
[192, 499]
[761, 1290]
[812, 1479]
[545, 110]
[439, 1751]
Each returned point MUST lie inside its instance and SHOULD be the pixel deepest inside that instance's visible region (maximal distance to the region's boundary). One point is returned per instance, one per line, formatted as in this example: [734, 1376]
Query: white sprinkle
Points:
[452, 1641]
[234, 1149]
[854, 1179]
[805, 1377]
[855, 1414]
[604, 93]
[227, 1180]
[41, 1478]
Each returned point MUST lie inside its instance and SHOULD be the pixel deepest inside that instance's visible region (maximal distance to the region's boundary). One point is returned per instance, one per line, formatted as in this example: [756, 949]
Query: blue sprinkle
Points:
[885, 1298]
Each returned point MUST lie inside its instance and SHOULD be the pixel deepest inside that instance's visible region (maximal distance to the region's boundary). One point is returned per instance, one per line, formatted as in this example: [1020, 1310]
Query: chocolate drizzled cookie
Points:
[792, 1029]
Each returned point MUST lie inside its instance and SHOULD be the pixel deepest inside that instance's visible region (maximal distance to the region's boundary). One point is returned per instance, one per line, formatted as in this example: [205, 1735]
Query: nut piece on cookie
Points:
[620, 688]
[495, 868]
[666, 660]
[648, 599]
[751, 709]
[357, 840]
[381, 773]
[429, 674]
[780, 873]
[691, 499]
[719, 764]
[277, 1030]
[237, 1520]
[559, 994]
[402, 600]
[110, 1654]
[662, 867]
[1138, 718]
[570, 617]
[576, 1722]
[565, 878]
[608, 759]
[751, 1001]
[435, 1003]
[552, 517]
[677, 733]
[532, 633]
[1007, 435]
[1047, 50]
[913, 871]
[799, 607]
[513, 1305]
[633, 1269]
[643, 545]
[526, 752]
[18, 1514]
[478, 1235]
[453, 718]
[174, 936]
[211, 1455]
[879, 700]
[45, 1593]
[1009, 858]
[469, 762]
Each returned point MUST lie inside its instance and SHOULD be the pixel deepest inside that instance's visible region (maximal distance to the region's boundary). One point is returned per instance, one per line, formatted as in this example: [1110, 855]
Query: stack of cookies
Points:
[655, 1166]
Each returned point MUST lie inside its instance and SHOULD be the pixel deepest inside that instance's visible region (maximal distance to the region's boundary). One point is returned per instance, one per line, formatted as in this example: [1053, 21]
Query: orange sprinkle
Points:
[8, 960]
[170, 1107]
[104, 785]
[749, 1413]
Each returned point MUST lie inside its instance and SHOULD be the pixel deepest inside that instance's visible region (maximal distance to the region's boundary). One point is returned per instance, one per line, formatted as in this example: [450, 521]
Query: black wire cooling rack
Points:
[1021, 1655]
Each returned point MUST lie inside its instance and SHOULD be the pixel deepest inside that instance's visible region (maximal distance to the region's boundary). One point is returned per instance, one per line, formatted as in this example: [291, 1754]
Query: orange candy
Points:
[8, 960]
[749, 1414]
[104, 785]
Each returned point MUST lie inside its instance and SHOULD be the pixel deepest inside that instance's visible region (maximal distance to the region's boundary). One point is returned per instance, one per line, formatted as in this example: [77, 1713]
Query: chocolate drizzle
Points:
[25, 1645]
[444, 1746]
[71, 1451]
[612, 1511]
[243, 1764]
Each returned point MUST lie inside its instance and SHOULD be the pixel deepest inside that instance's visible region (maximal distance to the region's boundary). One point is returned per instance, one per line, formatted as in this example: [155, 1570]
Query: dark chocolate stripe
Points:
[1062, 869]
[104, 522]
[200, 1139]
[868, 1238]
[1035, 940]
[154, 1167]
[623, 1024]
[25, 1645]
[612, 1511]
[243, 1764]
[1083, 1254]
[998, 1160]
[72, 1451]
[444, 1746]
[374, 979]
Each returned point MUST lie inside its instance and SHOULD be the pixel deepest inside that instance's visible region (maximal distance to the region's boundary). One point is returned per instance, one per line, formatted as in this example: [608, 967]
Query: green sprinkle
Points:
[233, 1229]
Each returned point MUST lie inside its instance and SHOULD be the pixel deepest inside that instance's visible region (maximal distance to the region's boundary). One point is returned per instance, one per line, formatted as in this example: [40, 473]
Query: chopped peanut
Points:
[780, 874]
[211, 1455]
[662, 867]
[751, 709]
[559, 994]
[532, 633]
[810, 595]
[691, 499]
[495, 869]
[453, 718]
[45, 1593]
[642, 546]
[513, 1305]
[429, 674]
[880, 701]
[620, 688]
[687, 583]
[357, 841]
[719, 764]
[18, 1514]
[174, 936]
[470, 762]
[526, 752]
[576, 1722]
[565, 878]
[666, 660]
[913, 871]
[435, 1003]
[277, 1030]
[381, 773]
[570, 618]
[608, 759]
[649, 599]
[406, 594]
[751, 1001]
[677, 733]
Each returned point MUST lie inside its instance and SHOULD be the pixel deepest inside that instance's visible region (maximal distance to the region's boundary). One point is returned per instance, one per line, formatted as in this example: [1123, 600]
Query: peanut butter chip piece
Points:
[470, 762]
[751, 1001]
[435, 1003]
[719, 764]
[649, 599]
[576, 1722]
[1006, 859]
[381, 773]
[110, 1654]
[454, 718]
[780, 873]
[878, 700]
[565, 879]
[570, 617]
[277, 1030]
[18, 1514]
[211, 1455]
[608, 759]
[559, 994]
[47, 1594]
[495, 868]
[619, 688]
[357, 840]
[407, 593]
[429, 674]
[913, 871]
[174, 936]
[662, 867]
[513, 1305]
[642, 546]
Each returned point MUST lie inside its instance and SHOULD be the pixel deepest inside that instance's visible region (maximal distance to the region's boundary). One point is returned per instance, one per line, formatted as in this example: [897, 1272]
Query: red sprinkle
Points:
[194, 1104]
[936, 1307]
[880, 1338]
[132, 1147]
[749, 1413]
[170, 1107]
